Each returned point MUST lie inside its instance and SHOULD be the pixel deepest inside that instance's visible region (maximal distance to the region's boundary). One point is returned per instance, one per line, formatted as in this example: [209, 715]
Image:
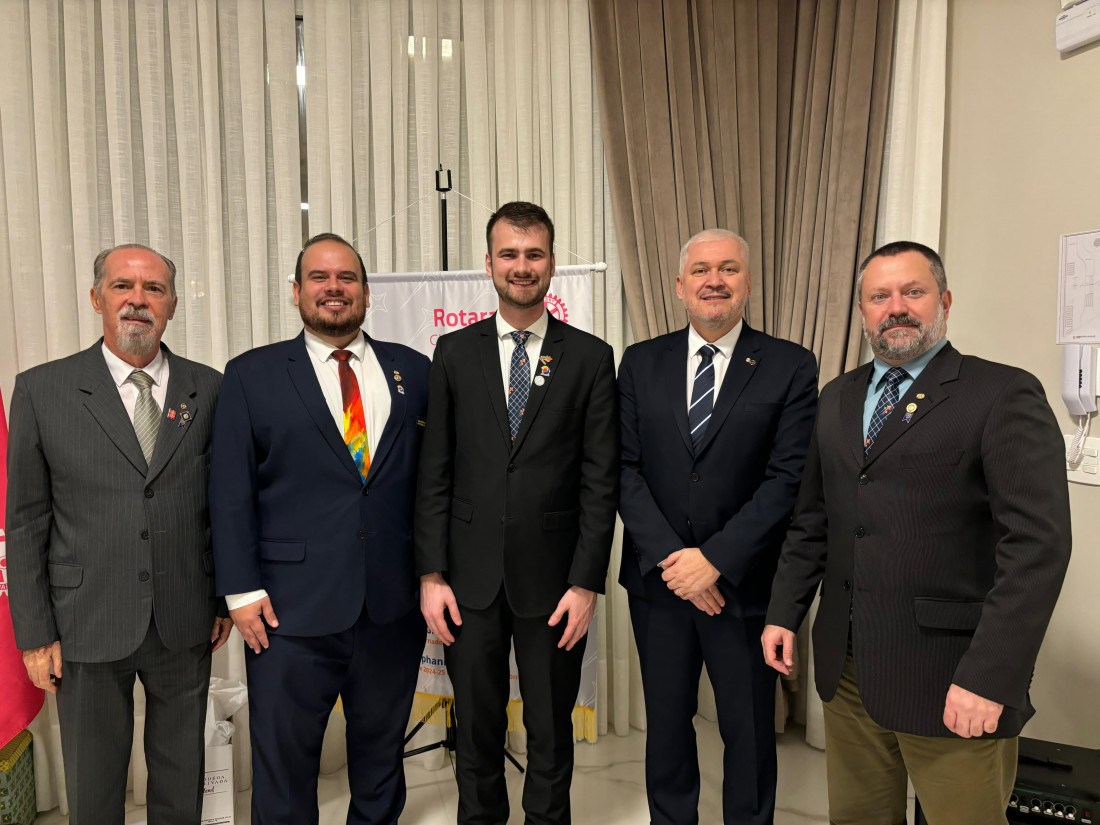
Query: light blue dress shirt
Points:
[878, 372]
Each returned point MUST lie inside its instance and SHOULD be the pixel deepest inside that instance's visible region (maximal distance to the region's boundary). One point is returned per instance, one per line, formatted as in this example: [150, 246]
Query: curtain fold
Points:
[767, 118]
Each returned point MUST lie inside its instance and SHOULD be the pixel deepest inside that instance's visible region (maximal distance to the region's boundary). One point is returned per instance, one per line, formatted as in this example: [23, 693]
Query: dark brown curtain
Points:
[765, 117]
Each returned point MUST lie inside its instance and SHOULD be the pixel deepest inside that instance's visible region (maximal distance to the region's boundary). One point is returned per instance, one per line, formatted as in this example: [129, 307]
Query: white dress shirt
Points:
[725, 346]
[506, 346]
[157, 369]
[373, 389]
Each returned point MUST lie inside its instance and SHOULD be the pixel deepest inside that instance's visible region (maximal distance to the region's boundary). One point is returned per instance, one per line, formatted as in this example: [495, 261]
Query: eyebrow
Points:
[720, 263]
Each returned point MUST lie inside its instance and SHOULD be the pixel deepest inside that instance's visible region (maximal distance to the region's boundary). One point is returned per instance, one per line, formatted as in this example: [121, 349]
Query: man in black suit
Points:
[515, 513]
[935, 514]
[716, 419]
[112, 575]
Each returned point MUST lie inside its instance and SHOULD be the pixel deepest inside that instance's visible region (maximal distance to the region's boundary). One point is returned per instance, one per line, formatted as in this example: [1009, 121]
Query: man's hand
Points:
[250, 621]
[778, 644]
[220, 634]
[969, 714]
[710, 601]
[436, 597]
[41, 663]
[687, 573]
[580, 604]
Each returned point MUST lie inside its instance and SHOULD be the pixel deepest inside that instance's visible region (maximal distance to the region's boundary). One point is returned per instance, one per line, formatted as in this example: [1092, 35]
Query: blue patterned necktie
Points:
[886, 403]
[702, 395]
[519, 382]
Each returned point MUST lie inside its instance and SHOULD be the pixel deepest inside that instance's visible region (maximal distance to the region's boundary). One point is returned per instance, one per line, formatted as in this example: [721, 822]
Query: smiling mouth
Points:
[334, 305]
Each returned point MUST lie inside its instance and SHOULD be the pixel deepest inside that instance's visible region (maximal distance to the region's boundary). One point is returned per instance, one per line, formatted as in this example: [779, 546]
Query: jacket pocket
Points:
[273, 550]
[565, 520]
[65, 575]
[948, 614]
[462, 510]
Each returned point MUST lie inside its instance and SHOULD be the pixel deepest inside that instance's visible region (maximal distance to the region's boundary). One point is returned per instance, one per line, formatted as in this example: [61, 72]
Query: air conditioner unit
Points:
[1077, 26]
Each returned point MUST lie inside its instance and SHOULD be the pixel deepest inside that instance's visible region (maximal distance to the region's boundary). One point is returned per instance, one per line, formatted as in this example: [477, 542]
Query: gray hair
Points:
[99, 268]
[713, 235]
[935, 263]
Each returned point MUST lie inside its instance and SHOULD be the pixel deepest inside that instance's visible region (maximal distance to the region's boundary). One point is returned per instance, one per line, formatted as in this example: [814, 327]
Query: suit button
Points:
[864, 478]
[361, 535]
[511, 468]
[149, 493]
[143, 576]
[144, 534]
[847, 585]
[694, 476]
[859, 533]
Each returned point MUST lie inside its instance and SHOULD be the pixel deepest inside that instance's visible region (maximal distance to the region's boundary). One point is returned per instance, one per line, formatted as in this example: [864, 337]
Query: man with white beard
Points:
[109, 560]
[934, 513]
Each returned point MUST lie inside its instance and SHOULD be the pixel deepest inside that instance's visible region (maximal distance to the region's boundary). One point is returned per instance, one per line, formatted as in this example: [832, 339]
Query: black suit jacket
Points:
[947, 545]
[537, 514]
[734, 499]
[98, 541]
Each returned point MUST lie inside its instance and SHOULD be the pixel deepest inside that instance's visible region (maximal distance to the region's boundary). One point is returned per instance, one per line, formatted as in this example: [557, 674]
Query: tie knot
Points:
[341, 355]
[520, 337]
[895, 375]
[141, 379]
[707, 352]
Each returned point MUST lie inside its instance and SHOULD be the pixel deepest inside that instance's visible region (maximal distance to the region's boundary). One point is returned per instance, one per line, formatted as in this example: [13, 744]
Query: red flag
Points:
[22, 700]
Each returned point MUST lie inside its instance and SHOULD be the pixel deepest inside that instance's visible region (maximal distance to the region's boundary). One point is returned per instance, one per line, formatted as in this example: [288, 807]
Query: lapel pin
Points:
[751, 362]
[920, 396]
[171, 414]
[546, 359]
[396, 375]
[539, 380]
[400, 389]
[912, 408]
[183, 406]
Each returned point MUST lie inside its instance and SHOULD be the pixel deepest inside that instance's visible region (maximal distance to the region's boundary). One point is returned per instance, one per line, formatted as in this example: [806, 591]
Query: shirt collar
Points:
[914, 367]
[120, 370]
[537, 329]
[725, 344]
[321, 351]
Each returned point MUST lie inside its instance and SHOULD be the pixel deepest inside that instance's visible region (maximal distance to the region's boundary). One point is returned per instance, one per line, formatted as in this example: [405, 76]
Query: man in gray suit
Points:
[109, 559]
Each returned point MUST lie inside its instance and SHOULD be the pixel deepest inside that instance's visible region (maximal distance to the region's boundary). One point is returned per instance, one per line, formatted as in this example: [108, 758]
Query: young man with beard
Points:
[514, 517]
[316, 443]
[716, 419]
[108, 545]
[935, 514]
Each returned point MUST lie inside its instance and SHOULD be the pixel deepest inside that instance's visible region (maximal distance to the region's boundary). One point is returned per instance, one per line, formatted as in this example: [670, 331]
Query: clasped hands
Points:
[689, 575]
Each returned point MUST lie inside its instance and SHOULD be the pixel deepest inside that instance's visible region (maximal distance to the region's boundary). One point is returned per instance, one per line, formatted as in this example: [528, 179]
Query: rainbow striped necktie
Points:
[355, 421]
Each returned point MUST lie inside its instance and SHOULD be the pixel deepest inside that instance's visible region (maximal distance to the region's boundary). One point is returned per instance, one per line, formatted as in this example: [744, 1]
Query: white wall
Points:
[1022, 162]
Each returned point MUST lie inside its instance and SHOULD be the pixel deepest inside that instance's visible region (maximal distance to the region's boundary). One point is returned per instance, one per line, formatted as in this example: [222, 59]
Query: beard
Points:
[314, 320]
[137, 340]
[514, 301]
[903, 348]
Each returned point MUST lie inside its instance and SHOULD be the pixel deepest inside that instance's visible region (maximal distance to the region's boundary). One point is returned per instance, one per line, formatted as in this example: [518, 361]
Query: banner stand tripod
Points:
[449, 740]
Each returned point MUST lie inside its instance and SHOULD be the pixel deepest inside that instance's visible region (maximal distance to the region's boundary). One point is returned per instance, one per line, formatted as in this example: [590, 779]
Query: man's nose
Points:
[896, 304]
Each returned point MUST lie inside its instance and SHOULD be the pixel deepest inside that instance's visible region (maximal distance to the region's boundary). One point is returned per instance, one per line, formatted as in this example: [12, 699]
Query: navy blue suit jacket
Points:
[289, 511]
[734, 499]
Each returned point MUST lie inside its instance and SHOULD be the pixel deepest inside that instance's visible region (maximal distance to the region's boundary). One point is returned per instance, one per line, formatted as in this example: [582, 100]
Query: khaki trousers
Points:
[958, 781]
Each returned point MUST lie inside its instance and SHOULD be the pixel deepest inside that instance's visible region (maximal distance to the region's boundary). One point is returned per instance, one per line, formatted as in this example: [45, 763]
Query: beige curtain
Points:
[764, 117]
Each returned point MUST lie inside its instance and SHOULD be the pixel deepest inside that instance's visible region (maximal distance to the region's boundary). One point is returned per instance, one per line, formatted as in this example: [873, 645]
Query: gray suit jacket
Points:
[97, 541]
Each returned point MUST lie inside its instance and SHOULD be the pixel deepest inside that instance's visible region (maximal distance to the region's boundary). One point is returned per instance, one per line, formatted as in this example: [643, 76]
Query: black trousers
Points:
[674, 640]
[548, 680]
[95, 707]
[293, 687]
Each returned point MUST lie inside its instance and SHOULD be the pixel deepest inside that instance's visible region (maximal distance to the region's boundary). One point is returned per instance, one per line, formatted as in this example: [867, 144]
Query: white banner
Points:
[415, 308]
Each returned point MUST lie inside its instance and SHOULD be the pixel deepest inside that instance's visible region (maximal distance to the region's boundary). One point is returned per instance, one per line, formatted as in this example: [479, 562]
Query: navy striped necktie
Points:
[702, 395]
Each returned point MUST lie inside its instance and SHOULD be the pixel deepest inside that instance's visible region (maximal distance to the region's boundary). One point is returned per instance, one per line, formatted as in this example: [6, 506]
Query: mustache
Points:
[135, 314]
[715, 293]
[898, 321]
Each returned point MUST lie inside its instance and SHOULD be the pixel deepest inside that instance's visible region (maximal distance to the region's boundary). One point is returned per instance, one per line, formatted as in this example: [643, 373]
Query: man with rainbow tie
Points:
[315, 449]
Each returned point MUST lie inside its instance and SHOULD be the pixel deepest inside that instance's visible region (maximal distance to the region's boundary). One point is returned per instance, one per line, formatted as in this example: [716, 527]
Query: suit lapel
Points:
[304, 378]
[743, 363]
[930, 384]
[489, 352]
[180, 411]
[546, 367]
[398, 406]
[105, 405]
[853, 395]
[675, 371]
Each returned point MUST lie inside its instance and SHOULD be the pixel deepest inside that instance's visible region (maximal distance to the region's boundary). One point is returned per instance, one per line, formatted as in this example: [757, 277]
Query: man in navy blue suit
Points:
[315, 448]
[716, 419]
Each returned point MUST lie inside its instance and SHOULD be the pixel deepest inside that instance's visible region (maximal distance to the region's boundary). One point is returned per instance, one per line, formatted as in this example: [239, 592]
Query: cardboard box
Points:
[17, 800]
[217, 794]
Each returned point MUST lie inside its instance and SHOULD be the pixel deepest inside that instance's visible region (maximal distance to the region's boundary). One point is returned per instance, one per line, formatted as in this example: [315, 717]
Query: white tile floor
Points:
[608, 786]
